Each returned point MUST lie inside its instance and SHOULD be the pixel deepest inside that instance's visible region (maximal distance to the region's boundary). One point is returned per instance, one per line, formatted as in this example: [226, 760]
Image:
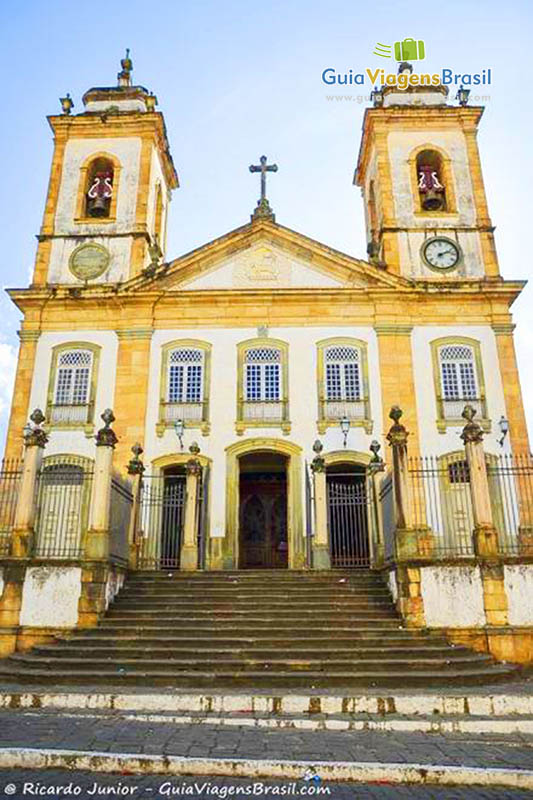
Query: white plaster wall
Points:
[303, 401]
[518, 582]
[119, 262]
[157, 176]
[433, 442]
[115, 581]
[401, 145]
[392, 584]
[1, 581]
[128, 152]
[453, 597]
[75, 441]
[50, 597]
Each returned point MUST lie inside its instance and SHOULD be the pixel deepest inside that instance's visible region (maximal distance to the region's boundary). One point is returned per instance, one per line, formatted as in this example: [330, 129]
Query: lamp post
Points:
[179, 428]
[503, 425]
[462, 96]
[345, 428]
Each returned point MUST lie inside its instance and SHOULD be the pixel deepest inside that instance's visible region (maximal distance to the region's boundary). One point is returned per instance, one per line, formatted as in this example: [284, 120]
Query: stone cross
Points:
[263, 168]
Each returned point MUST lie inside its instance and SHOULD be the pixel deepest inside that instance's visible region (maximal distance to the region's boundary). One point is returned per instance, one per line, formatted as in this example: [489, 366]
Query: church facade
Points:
[246, 351]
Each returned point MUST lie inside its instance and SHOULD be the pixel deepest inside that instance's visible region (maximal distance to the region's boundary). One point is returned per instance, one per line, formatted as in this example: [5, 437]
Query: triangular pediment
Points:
[265, 255]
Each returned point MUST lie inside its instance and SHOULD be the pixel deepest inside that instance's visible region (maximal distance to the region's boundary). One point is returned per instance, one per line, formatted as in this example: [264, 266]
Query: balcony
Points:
[75, 414]
[337, 409]
[188, 412]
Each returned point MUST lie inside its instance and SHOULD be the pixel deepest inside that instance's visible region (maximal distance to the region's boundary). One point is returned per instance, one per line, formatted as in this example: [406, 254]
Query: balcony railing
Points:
[189, 412]
[452, 408]
[337, 409]
[70, 414]
[263, 410]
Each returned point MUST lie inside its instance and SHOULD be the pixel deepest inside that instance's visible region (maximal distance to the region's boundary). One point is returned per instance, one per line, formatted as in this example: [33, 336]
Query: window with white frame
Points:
[458, 373]
[185, 376]
[262, 377]
[73, 378]
[343, 373]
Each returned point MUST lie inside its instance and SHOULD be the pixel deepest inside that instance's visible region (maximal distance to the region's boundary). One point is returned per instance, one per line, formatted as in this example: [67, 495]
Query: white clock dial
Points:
[441, 253]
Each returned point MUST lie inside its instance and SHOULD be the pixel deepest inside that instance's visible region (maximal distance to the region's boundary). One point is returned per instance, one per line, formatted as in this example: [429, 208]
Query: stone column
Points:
[97, 539]
[485, 534]
[321, 556]
[189, 547]
[135, 470]
[23, 529]
[376, 468]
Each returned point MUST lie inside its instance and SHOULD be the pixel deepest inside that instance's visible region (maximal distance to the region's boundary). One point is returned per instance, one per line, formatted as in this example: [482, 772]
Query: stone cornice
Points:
[392, 329]
[503, 328]
[134, 333]
[28, 336]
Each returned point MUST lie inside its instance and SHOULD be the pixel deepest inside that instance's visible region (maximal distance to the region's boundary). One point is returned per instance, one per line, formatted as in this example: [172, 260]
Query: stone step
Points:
[218, 681]
[141, 650]
[397, 639]
[243, 603]
[252, 615]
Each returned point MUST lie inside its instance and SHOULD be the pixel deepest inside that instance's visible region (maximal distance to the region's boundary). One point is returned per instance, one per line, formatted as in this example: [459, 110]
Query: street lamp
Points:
[345, 428]
[462, 95]
[179, 427]
[503, 425]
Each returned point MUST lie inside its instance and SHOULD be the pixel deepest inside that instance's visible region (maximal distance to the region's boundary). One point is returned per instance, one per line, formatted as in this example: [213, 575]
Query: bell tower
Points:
[420, 175]
[110, 185]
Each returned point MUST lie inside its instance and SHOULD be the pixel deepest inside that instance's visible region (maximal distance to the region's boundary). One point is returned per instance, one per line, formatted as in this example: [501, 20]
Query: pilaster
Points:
[21, 391]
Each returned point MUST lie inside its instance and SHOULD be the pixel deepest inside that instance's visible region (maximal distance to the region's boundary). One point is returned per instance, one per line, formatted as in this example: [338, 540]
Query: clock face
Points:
[89, 261]
[441, 253]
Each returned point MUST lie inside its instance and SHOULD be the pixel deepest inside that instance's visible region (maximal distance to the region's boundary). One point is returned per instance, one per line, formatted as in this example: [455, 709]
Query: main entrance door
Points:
[263, 512]
[348, 516]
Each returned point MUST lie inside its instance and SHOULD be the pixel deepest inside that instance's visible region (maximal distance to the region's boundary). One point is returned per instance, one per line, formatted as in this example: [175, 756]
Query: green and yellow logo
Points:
[407, 50]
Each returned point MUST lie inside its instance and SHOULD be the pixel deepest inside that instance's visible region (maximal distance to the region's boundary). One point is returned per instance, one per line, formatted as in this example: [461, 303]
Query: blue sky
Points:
[238, 79]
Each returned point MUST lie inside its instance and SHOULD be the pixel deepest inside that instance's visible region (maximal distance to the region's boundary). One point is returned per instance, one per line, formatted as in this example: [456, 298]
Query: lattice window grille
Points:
[263, 355]
[343, 377]
[185, 376]
[73, 378]
[458, 373]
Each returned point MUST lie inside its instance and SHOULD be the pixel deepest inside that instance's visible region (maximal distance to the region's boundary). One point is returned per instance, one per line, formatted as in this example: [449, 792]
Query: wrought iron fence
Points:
[120, 515]
[10, 475]
[349, 520]
[511, 487]
[63, 498]
[161, 520]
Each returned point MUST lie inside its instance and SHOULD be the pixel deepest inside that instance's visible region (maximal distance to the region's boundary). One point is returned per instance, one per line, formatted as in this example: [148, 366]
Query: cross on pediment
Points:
[263, 210]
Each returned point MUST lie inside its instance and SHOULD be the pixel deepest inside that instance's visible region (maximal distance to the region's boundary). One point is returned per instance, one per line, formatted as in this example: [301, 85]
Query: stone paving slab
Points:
[118, 734]
[146, 787]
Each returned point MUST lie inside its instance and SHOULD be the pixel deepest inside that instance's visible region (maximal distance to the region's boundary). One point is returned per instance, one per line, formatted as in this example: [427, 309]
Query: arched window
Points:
[343, 383]
[263, 384]
[185, 385]
[72, 385]
[99, 188]
[459, 380]
[430, 177]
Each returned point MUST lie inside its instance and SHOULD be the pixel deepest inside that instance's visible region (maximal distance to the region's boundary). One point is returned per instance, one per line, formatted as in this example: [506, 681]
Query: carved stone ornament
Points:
[194, 448]
[318, 464]
[136, 466]
[35, 436]
[472, 431]
[106, 436]
[397, 435]
[193, 467]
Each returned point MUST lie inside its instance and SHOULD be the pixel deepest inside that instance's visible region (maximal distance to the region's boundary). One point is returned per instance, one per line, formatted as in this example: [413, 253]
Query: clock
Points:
[441, 253]
[89, 261]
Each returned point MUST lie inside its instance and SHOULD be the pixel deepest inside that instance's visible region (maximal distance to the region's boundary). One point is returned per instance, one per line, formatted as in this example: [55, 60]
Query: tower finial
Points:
[124, 77]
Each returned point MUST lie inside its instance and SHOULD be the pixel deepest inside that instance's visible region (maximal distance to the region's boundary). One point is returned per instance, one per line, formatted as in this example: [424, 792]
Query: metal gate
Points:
[348, 520]
[161, 520]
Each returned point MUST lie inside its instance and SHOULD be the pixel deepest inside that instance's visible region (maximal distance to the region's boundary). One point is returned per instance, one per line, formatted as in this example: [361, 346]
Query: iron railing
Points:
[73, 413]
[63, 498]
[349, 520]
[10, 475]
[120, 515]
[161, 521]
[188, 412]
[510, 480]
[263, 410]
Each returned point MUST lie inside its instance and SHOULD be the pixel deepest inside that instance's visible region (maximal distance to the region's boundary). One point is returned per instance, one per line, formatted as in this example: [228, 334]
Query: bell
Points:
[97, 206]
[433, 201]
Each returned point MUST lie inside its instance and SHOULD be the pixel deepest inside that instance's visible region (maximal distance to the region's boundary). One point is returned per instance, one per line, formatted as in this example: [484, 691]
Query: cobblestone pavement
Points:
[114, 733]
[19, 784]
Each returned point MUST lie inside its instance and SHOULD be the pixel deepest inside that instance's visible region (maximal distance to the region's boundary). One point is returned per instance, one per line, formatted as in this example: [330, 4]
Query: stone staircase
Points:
[268, 630]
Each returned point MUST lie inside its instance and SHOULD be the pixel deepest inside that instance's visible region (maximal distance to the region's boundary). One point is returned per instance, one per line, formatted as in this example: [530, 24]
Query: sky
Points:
[238, 79]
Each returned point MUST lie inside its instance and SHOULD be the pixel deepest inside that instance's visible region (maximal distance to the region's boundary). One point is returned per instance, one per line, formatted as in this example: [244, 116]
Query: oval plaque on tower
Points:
[89, 261]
